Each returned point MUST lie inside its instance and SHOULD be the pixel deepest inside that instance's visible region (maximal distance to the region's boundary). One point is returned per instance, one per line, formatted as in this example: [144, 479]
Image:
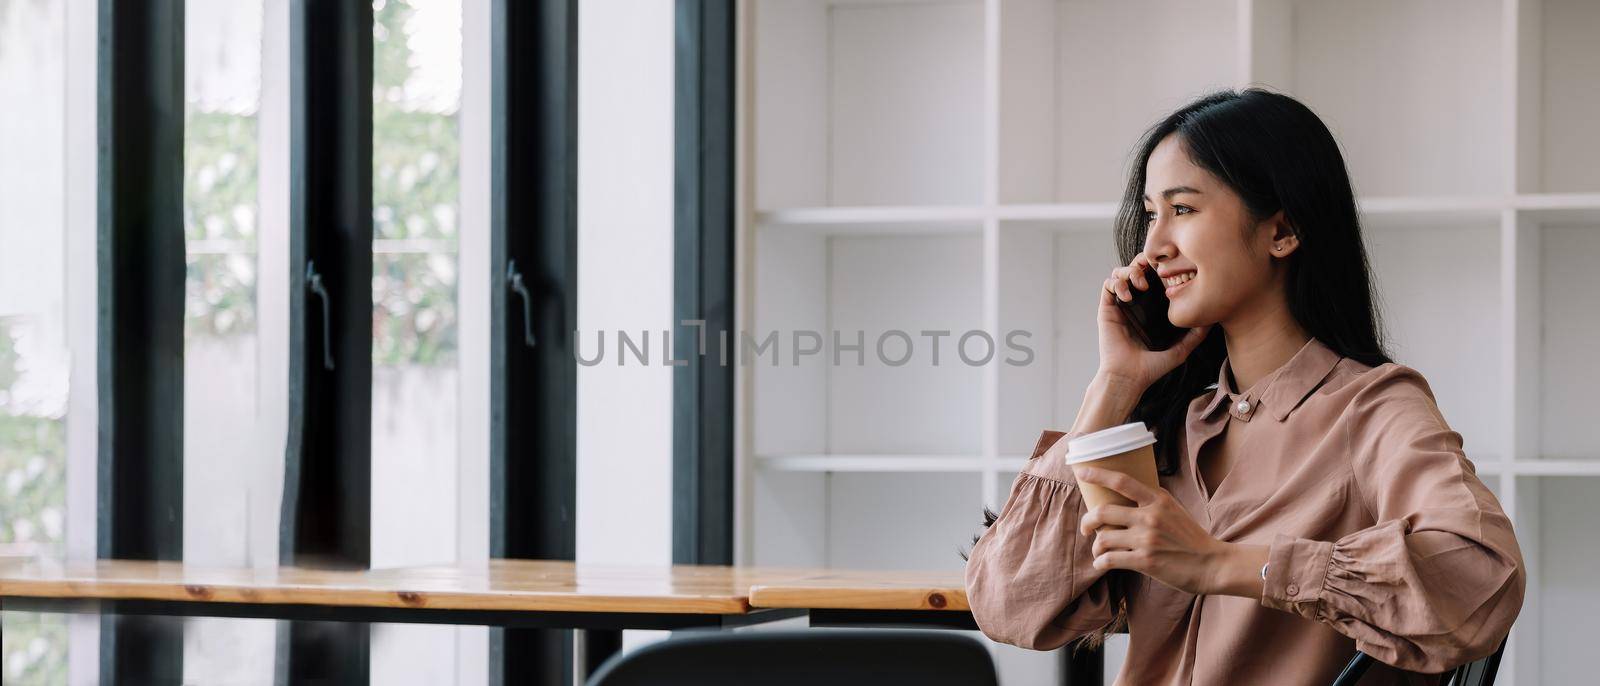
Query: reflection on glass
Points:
[415, 141]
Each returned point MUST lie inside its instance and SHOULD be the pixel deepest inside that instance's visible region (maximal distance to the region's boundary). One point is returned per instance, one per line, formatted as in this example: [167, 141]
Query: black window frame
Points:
[533, 310]
[141, 266]
[327, 488]
[703, 282]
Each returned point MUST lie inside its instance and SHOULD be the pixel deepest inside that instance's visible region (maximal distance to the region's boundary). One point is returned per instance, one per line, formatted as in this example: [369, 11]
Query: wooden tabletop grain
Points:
[863, 590]
[517, 585]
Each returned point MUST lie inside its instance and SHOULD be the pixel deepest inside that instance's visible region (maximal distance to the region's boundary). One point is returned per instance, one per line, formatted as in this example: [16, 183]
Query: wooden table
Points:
[869, 598]
[508, 593]
[502, 593]
[456, 592]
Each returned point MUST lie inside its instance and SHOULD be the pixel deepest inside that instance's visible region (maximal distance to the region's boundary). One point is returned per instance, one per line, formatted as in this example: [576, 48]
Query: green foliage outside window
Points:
[33, 477]
[219, 222]
[415, 181]
[416, 152]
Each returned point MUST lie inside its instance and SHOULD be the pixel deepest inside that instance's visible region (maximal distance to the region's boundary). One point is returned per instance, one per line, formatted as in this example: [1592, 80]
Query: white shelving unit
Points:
[956, 165]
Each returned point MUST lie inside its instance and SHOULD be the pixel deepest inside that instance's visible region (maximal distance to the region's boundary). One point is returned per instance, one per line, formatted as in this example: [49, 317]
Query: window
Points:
[222, 224]
[34, 358]
[416, 144]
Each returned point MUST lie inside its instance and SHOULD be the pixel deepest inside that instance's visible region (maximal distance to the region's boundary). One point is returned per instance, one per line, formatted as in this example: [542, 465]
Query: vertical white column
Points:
[989, 430]
[1520, 262]
[473, 306]
[625, 261]
[272, 285]
[1520, 301]
[82, 220]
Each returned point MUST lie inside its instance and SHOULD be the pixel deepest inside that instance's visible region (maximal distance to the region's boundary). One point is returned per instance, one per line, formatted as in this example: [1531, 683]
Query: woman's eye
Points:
[1149, 216]
[1182, 209]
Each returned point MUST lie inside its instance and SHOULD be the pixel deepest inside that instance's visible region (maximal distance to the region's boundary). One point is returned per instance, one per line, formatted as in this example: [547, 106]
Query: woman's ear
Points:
[1284, 239]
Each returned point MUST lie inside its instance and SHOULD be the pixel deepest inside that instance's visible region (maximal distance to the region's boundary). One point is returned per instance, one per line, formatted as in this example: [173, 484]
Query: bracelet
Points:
[1264, 571]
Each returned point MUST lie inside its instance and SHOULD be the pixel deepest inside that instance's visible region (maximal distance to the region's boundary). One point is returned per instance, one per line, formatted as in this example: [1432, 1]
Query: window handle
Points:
[314, 282]
[514, 279]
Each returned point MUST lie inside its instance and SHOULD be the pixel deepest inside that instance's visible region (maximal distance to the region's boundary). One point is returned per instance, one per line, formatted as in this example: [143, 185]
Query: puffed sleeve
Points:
[1438, 580]
[1030, 577]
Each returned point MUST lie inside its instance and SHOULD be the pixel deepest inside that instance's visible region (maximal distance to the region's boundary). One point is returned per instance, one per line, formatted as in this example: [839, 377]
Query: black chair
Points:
[795, 657]
[1475, 673]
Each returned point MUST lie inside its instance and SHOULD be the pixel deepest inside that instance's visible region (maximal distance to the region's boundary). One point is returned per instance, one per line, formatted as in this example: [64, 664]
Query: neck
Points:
[1260, 341]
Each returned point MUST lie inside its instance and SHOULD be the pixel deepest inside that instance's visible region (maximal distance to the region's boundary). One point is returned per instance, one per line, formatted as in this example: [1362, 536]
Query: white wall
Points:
[625, 99]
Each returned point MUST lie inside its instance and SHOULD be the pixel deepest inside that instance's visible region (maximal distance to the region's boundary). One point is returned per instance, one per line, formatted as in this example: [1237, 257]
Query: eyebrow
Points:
[1174, 191]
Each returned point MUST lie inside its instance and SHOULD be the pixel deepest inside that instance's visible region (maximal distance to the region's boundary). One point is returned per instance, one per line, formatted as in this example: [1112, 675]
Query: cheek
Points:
[1209, 296]
[1223, 287]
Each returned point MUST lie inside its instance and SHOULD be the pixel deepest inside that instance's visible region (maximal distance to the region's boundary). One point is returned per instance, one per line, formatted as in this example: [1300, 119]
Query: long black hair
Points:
[1276, 154]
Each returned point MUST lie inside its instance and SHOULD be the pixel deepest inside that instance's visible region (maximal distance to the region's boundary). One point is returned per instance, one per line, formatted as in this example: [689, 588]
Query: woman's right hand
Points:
[1121, 354]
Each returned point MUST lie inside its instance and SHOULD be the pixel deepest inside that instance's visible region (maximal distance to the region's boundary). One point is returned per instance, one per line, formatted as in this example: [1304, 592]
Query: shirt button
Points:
[1293, 589]
[1243, 407]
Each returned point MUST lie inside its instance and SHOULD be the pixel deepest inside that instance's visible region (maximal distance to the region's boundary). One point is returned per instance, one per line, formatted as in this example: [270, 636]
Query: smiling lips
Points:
[1177, 282]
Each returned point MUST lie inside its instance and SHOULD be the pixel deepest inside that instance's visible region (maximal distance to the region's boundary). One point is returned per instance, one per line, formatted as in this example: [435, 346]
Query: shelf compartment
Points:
[1057, 146]
[1439, 295]
[812, 287]
[867, 530]
[1401, 85]
[1048, 281]
[1568, 95]
[1565, 598]
[1570, 325]
[868, 104]
[789, 401]
[881, 284]
[853, 520]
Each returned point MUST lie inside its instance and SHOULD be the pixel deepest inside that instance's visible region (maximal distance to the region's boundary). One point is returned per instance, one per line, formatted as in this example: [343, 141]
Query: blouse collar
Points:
[1286, 387]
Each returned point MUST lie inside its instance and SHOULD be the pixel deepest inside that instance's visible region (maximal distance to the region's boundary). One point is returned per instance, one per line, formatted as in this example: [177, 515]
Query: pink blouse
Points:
[1381, 538]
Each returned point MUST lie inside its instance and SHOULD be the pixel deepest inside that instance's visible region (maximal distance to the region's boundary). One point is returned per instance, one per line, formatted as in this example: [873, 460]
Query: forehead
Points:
[1169, 165]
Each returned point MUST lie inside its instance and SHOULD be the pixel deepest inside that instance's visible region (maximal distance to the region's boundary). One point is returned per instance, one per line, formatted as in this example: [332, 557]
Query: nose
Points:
[1158, 245]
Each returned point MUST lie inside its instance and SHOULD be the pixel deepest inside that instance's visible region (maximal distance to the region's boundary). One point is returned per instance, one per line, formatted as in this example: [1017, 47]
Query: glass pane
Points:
[416, 97]
[417, 92]
[222, 95]
[33, 341]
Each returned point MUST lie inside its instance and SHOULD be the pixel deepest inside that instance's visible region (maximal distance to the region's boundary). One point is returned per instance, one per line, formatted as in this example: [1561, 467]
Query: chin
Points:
[1181, 318]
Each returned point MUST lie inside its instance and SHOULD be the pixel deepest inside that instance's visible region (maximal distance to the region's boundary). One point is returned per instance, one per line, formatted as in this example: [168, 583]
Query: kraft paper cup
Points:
[1128, 449]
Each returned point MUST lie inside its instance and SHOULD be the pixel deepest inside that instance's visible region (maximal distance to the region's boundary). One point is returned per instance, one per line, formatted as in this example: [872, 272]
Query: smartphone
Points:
[1147, 314]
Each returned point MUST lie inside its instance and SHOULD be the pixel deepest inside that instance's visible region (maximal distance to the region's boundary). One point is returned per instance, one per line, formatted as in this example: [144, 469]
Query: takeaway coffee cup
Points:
[1127, 448]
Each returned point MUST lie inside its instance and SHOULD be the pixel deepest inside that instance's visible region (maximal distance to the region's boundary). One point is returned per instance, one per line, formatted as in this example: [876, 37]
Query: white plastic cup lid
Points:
[1105, 443]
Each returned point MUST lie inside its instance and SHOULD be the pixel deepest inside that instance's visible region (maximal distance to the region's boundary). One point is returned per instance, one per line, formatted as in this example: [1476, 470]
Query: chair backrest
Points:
[791, 657]
[1475, 673]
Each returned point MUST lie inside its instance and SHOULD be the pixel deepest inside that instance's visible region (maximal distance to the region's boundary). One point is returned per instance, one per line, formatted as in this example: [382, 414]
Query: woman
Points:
[1313, 503]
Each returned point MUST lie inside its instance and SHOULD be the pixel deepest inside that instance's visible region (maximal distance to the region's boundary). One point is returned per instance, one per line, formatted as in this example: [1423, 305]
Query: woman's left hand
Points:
[1159, 539]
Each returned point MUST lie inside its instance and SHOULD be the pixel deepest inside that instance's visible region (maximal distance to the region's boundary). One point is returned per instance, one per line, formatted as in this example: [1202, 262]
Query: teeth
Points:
[1176, 280]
